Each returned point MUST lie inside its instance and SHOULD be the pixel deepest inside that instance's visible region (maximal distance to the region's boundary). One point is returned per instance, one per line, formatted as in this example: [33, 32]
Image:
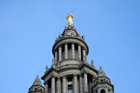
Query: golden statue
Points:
[69, 18]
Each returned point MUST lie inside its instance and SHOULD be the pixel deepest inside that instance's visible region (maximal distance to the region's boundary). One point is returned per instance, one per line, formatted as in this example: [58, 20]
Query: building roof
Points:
[37, 81]
[101, 73]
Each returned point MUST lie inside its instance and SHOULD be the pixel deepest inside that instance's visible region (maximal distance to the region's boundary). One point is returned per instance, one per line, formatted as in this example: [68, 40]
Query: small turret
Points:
[37, 86]
[102, 83]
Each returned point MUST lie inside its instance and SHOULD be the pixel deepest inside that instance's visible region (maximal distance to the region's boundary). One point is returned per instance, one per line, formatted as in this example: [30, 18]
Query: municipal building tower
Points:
[70, 72]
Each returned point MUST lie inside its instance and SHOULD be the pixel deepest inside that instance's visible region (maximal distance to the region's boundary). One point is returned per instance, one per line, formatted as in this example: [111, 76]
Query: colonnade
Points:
[63, 84]
[81, 52]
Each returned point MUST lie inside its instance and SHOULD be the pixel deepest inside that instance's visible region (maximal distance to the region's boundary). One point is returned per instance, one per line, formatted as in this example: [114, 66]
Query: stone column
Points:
[89, 87]
[53, 84]
[85, 83]
[79, 52]
[98, 91]
[81, 84]
[106, 90]
[46, 88]
[55, 57]
[84, 55]
[73, 51]
[66, 51]
[60, 53]
[58, 85]
[64, 84]
[75, 84]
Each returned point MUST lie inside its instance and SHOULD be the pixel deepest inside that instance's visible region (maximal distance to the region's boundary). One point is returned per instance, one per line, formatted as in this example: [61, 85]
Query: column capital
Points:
[45, 82]
[58, 78]
[64, 76]
[85, 72]
[53, 76]
[75, 75]
[83, 48]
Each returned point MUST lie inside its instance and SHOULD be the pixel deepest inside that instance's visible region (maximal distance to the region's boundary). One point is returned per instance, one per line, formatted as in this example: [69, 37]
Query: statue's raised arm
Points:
[69, 18]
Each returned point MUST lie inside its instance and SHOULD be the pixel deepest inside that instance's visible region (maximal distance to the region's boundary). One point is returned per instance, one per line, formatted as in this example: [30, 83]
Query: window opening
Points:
[102, 91]
[69, 87]
[69, 79]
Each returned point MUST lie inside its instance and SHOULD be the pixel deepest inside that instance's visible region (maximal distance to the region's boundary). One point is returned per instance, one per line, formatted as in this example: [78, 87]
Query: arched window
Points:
[102, 91]
[35, 88]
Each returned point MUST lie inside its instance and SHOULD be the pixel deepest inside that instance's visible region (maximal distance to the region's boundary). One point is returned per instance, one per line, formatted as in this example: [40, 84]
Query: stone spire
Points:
[102, 83]
[37, 81]
[37, 86]
[101, 72]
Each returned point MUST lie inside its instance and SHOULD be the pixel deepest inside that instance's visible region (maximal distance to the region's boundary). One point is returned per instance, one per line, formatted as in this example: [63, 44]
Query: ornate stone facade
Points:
[70, 71]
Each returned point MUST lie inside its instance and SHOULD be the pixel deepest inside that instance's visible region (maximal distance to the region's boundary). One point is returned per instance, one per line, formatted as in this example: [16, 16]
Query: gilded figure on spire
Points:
[69, 18]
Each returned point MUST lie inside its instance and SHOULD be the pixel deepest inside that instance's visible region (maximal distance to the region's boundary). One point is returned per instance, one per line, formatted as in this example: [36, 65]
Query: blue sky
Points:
[28, 30]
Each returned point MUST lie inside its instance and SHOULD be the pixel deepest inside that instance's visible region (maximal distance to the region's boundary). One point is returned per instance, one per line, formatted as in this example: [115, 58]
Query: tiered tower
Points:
[70, 72]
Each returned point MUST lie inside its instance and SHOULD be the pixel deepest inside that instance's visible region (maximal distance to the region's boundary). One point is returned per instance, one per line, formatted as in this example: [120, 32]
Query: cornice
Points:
[89, 66]
[48, 72]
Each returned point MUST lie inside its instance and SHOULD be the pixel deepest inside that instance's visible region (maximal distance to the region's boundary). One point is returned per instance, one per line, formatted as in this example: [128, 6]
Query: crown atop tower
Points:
[70, 31]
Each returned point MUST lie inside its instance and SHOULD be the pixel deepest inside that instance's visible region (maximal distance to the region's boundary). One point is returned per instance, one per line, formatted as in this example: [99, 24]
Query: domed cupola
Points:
[70, 72]
[70, 48]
